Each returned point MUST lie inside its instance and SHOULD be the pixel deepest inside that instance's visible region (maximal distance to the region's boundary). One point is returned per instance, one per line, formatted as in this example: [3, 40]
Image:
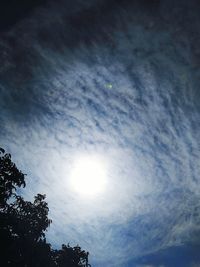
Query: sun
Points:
[88, 176]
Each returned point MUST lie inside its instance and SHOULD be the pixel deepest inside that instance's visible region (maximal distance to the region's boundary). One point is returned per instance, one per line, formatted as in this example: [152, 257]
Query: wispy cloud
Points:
[127, 92]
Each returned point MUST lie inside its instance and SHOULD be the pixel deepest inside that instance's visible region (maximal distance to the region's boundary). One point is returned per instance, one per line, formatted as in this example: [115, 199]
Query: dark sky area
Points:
[117, 82]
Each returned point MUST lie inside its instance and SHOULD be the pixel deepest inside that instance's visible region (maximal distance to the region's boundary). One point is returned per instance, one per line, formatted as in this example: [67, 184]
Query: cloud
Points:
[195, 264]
[123, 88]
[185, 255]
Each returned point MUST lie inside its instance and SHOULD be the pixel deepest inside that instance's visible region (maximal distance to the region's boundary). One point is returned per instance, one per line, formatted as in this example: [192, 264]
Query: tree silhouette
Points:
[23, 225]
[10, 177]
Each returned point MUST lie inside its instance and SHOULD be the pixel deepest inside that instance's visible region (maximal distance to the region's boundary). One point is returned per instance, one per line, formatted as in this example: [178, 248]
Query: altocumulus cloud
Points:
[118, 79]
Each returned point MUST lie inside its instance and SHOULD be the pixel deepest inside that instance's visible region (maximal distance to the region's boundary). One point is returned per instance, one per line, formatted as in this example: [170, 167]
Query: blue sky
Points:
[119, 80]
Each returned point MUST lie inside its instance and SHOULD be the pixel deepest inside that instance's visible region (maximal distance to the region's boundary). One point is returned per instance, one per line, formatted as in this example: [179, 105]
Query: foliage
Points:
[10, 177]
[23, 225]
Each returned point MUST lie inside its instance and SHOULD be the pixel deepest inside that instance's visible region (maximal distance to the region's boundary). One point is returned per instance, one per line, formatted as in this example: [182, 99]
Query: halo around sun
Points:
[88, 176]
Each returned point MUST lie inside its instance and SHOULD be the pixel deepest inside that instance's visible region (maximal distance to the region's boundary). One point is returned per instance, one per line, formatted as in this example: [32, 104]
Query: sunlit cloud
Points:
[131, 104]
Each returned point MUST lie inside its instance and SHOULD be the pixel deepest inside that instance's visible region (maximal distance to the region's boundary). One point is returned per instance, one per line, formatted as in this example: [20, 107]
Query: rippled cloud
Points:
[119, 81]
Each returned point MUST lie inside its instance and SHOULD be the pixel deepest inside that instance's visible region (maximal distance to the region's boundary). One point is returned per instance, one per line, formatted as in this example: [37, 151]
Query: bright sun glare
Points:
[88, 176]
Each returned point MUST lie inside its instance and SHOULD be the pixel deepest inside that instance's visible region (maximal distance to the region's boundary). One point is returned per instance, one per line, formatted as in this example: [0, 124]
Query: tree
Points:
[10, 177]
[23, 225]
[72, 257]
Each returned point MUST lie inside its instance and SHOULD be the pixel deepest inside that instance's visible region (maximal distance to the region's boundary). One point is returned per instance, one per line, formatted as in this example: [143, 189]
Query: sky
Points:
[117, 81]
